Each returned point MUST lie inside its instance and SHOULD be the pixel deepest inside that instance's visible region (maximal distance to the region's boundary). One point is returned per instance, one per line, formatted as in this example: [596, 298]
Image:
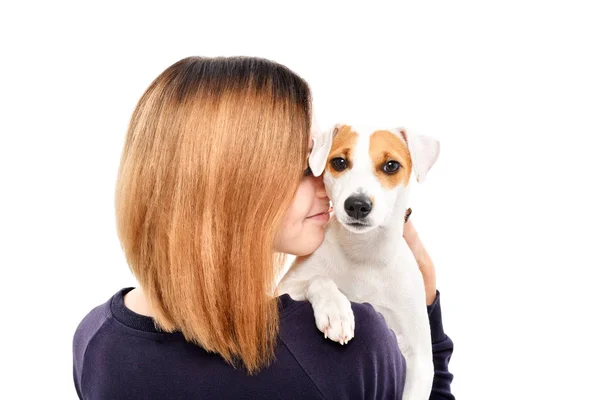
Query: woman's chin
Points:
[313, 241]
[307, 242]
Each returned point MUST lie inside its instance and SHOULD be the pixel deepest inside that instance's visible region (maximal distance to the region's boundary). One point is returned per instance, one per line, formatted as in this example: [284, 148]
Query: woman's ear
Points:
[424, 152]
[322, 141]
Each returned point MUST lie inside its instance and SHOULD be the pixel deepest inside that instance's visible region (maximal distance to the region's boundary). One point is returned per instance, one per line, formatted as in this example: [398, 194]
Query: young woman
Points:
[213, 189]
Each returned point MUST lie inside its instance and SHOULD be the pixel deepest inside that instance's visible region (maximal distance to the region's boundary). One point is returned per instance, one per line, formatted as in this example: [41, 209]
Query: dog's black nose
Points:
[358, 207]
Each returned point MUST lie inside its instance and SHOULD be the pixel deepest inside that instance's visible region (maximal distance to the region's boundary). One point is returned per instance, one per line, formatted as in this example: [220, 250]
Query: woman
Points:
[212, 190]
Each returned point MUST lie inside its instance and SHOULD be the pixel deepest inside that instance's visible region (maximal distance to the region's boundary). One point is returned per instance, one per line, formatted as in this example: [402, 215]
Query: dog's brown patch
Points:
[384, 146]
[343, 145]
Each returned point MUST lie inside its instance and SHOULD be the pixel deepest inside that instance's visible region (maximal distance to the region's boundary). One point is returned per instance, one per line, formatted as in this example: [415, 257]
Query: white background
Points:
[509, 213]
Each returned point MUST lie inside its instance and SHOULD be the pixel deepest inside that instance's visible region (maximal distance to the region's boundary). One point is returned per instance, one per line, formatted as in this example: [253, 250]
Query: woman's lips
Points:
[322, 215]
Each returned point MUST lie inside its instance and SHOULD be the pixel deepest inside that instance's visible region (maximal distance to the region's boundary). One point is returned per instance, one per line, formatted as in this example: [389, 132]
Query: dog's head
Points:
[367, 171]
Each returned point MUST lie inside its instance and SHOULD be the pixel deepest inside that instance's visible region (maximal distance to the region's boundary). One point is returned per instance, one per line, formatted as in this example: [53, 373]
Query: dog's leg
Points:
[333, 312]
[407, 316]
[313, 279]
[296, 288]
[419, 378]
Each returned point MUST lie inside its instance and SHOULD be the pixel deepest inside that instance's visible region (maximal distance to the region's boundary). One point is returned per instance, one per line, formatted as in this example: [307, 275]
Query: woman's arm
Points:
[441, 343]
[442, 351]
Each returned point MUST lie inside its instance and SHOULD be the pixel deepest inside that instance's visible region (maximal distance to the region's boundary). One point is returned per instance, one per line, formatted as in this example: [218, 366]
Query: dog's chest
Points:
[373, 280]
[365, 282]
[377, 279]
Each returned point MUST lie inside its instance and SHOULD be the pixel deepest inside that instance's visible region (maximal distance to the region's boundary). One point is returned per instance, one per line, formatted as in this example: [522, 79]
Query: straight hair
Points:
[212, 158]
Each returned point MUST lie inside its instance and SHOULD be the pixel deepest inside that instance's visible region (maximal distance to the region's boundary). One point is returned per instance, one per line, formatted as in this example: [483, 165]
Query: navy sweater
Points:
[118, 354]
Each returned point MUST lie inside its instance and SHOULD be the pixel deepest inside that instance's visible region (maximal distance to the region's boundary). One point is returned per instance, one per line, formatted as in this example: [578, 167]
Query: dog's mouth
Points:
[357, 224]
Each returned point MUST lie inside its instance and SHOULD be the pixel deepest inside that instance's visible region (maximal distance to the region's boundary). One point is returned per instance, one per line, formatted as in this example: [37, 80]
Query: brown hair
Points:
[213, 156]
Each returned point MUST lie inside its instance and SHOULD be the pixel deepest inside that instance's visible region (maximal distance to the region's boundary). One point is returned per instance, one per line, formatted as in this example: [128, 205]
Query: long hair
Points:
[213, 156]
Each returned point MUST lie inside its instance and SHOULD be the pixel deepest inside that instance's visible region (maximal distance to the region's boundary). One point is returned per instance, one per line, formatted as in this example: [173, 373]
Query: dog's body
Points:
[364, 257]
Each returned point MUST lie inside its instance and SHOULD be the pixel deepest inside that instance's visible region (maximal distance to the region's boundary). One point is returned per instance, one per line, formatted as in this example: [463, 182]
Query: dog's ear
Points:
[322, 141]
[424, 152]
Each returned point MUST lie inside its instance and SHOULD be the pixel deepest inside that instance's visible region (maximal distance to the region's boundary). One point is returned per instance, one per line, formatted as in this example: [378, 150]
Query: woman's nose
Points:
[320, 187]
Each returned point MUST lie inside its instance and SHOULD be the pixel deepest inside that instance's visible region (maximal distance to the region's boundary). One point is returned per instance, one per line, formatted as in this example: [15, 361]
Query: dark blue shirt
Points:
[118, 354]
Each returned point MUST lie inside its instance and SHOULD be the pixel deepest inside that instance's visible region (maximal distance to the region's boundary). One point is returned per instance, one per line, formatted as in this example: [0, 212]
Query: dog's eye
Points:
[339, 164]
[391, 167]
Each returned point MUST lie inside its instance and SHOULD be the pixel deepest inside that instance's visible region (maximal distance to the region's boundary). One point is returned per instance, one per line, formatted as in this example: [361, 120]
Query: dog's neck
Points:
[378, 245]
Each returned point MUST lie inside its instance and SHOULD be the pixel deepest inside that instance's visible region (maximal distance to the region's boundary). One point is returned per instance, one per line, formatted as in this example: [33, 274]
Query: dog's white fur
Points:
[373, 264]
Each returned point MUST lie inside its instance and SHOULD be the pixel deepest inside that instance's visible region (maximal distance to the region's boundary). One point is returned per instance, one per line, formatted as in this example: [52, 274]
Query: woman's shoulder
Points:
[370, 364]
[298, 328]
[298, 322]
[90, 324]
[86, 330]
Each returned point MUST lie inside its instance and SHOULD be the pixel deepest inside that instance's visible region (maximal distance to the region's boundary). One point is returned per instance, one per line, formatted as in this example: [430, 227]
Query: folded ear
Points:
[424, 152]
[322, 141]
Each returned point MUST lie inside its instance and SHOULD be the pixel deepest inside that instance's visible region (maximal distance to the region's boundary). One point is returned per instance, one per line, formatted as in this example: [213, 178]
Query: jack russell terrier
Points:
[364, 257]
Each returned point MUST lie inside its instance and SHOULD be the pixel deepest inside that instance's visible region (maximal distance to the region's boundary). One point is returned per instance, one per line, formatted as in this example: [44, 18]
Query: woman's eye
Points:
[339, 164]
[308, 171]
[391, 167]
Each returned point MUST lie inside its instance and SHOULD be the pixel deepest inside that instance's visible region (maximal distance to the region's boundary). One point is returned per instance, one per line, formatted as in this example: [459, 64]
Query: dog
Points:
[364, 257]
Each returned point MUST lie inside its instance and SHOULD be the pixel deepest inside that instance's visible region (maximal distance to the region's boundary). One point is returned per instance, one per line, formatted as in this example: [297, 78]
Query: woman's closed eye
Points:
[308, 171]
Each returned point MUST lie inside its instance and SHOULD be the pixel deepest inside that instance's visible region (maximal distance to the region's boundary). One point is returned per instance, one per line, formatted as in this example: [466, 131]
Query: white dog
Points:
[364, 257]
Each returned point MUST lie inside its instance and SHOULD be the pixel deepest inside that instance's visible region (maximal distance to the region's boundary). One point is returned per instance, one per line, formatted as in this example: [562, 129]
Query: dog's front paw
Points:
[333, 313]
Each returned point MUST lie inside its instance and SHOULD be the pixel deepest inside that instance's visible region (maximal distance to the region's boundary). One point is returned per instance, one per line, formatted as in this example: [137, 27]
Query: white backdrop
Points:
[509, 213]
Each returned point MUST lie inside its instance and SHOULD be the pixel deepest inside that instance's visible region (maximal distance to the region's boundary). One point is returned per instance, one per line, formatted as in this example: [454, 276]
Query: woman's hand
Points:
[423, 260]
